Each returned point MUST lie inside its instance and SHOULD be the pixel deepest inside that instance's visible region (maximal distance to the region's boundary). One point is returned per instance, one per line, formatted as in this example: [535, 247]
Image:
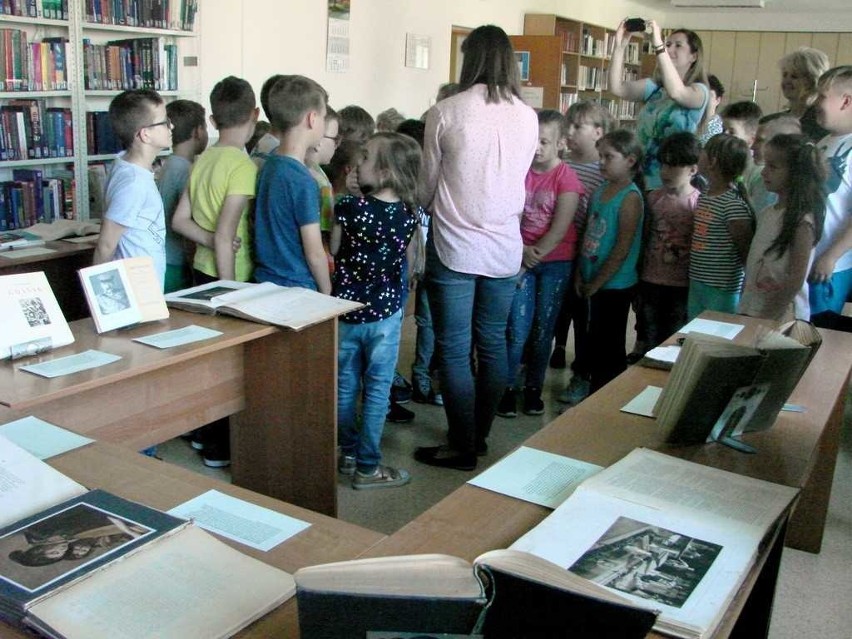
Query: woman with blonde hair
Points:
[800, 72]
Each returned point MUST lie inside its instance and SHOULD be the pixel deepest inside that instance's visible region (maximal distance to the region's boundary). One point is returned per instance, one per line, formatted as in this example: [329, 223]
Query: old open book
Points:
[31, 319]
[78, 564]
[291, 307]
[664, 532]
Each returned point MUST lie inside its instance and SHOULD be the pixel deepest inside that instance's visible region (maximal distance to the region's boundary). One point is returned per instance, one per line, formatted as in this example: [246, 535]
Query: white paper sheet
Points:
[724, 330]
[536, 476]
[664, 354]
[247, 523]
[643, 404]
[40, 438]
[71, 364]
[178, 337]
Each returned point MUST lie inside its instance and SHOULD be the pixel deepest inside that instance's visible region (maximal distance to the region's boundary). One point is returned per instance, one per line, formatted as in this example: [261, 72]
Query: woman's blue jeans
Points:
[469, 312]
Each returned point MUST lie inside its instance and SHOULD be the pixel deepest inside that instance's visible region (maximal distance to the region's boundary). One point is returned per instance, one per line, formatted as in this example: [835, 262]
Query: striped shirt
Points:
[591, 178]
[713, 258]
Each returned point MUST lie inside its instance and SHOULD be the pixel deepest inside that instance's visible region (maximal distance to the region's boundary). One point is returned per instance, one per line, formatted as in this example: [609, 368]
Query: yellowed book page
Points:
[187, 585]
[147, 288]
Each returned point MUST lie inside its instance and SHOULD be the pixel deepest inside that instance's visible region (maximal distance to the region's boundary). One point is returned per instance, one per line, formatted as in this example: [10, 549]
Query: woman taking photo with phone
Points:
[675, 97]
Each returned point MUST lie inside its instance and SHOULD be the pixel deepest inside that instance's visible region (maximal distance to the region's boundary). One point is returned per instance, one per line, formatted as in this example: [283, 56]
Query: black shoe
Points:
[399, 415]
[445, 457]
[557, 358]
[532, 402]
[216, 455]
[401, 389]
[508, 406]
[481, 448]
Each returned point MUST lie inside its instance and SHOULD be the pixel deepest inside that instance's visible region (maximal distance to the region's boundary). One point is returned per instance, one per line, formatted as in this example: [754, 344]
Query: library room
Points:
[241, 403]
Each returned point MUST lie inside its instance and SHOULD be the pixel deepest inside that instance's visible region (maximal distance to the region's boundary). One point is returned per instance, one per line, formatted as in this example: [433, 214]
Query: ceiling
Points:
[777, 6]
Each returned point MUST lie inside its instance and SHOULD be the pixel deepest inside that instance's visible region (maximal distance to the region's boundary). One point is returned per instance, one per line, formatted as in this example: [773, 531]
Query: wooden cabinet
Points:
[569, 60]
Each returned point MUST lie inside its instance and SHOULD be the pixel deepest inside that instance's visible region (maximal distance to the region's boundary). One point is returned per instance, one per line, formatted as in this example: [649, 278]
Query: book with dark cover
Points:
[522, 607]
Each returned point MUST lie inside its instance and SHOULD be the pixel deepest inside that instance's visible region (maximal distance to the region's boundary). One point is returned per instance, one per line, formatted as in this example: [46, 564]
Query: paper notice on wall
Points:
[337, 47]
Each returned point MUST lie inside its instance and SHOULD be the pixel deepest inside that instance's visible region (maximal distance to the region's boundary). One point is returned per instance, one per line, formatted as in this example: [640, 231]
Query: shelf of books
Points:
[569, 60]
[62, 62]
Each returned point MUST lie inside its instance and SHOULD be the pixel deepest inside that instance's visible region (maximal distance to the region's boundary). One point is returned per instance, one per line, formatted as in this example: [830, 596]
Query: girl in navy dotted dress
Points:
[369, 240]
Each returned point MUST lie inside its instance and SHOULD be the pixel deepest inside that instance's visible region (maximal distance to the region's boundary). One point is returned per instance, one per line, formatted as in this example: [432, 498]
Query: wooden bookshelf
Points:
[569, 59]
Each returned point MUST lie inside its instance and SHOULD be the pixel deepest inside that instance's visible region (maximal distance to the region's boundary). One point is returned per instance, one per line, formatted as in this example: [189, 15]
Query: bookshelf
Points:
[569, 59]
[62, 62]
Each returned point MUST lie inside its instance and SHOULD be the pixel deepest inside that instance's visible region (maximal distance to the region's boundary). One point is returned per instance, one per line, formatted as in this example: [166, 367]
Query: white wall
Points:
[766, 19]
[255, 39]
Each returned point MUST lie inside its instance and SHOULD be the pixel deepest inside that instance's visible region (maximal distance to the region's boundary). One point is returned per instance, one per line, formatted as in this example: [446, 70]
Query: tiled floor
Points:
[814, 591]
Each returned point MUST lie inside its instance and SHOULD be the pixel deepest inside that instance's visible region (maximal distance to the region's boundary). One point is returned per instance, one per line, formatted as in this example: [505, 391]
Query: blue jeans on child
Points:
[424, 346]
[538, 299]
[469, 310]
[366, 356]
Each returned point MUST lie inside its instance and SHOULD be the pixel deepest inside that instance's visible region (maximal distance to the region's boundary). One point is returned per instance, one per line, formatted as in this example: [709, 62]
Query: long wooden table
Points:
[164, 486]
[280, 387]
[800, 450]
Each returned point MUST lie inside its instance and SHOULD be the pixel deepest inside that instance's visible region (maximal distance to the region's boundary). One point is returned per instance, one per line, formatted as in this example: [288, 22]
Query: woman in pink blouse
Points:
[478, 147]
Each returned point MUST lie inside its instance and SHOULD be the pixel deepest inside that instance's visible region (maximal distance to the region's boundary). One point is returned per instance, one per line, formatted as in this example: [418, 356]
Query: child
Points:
[606, 273]
[722, 231]
[213, 212]
[134, 222]
[664, 274]
[341, 168]
[269, 141]
[356, 124]
[189, 138]
[389, 120]
[369, 241]
[288, 241]
[831, 274]
[587, 122]
[260, 130]
[550, 241]
[769, 126]
[712, 121]
[742, 119]
[783, 245]
[317, 156]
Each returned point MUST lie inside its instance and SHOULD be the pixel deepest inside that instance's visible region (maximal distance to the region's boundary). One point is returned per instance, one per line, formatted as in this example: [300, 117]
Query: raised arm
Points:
[692, 96]
[633, 89]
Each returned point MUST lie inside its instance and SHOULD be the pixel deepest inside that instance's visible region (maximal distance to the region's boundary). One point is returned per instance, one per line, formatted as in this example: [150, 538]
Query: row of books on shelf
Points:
[597, 47]
[135, 63]
[591, 78]
[100, 137]
[177, 15]
[31, 197]
[32, 66]
[51, 9]
[29, 129]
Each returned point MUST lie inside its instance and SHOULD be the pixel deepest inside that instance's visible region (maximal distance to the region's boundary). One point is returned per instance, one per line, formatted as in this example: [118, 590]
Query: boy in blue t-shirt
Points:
[288, 241]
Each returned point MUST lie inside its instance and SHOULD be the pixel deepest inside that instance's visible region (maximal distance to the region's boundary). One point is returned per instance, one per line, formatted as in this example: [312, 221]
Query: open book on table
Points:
[18, 239]
[709, 371]
[31, 319]
[504, 594]
[79, 564]
[124, 292]
[288, 306]
[664, 532]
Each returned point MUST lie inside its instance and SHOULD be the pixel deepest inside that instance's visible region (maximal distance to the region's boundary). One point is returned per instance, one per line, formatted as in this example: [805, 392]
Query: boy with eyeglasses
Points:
[134, 223]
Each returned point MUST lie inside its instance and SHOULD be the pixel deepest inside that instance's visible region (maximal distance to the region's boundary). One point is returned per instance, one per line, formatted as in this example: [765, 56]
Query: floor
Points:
[814, 591]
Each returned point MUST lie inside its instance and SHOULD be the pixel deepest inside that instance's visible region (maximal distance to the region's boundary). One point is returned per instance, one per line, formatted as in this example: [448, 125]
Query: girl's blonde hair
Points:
[805, 192]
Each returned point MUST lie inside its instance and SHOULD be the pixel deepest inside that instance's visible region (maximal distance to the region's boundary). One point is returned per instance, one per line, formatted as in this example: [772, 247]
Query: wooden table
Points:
[800, 450]
[164, 486]
[280, 386]
[60, 266]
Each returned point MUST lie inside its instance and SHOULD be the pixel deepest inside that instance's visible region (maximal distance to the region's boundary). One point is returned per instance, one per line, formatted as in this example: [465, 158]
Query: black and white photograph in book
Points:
[109, 292]
[36, 555]
[34, 311]
[209, 293]
[647, 561]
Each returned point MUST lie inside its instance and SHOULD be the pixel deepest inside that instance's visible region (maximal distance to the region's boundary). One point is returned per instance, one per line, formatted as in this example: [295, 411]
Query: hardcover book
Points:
[123, 292]
[267, 303]
[95, 562]
[664, 532]
[30, 316]
[504, 594]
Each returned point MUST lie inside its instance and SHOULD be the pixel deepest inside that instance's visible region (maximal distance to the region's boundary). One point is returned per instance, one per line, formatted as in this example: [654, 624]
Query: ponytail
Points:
[805, 193]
